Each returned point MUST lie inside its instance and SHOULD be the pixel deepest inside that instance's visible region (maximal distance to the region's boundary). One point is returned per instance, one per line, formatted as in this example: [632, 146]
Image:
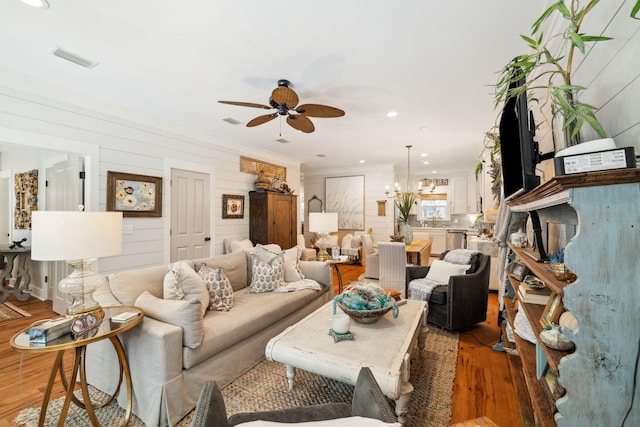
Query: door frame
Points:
[91, 154]
[169, 164]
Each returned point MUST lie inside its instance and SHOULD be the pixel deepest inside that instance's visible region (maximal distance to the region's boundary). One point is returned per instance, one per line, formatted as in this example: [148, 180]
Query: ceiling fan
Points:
[285, 101]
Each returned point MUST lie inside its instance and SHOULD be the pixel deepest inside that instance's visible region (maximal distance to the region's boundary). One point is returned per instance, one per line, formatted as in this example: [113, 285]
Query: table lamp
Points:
[77, 238]
[323, 223]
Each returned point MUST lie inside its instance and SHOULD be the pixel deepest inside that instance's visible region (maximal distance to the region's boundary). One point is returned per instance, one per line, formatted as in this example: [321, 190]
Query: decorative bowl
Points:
[365, 316]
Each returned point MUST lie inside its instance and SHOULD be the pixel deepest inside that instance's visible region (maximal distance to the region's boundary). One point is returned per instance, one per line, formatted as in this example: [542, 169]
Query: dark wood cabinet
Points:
[273, 218]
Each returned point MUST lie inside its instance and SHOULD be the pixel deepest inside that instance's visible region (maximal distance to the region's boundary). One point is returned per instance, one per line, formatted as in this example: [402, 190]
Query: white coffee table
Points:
[385, 347]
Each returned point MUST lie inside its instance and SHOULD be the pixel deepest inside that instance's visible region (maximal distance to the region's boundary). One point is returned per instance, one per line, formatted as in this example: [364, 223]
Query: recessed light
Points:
[42, 4]
[424, 155]
[426, 163]
[362, 161]
[434, 171]
[392, 113]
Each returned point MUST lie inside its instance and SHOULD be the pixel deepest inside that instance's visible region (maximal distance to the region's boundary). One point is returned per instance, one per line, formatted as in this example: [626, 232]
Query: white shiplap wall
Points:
[375, 180]
[147, 148]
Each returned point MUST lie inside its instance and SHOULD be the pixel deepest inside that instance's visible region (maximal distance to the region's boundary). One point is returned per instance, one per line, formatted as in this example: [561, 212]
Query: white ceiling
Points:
[432, 62]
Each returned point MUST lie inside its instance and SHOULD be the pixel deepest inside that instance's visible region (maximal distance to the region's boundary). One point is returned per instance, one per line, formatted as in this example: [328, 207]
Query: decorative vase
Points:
[407, 234]
[519, 239]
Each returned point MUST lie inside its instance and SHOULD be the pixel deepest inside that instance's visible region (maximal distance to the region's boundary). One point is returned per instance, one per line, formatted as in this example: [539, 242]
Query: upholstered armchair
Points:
[371, 258]
[462, 301]
[393, 264]
[306, 254]
[368, 401]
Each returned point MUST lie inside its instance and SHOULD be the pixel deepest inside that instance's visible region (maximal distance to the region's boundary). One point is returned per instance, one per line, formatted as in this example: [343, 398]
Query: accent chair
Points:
[393, 265]
[371, 258]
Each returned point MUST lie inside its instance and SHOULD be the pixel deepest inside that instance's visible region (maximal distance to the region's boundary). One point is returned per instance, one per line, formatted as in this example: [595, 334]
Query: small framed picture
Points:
[134, 195]
[232, 206]
[552, 310]
[335, 253]
[518, 271]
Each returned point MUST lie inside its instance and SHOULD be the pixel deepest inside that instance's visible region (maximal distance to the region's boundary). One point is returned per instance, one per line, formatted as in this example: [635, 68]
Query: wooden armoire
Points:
[273, 218]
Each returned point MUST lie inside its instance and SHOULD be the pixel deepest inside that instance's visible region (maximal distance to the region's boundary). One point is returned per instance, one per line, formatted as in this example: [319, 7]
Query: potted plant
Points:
[550, 70]
[404, 203]
[494, 169]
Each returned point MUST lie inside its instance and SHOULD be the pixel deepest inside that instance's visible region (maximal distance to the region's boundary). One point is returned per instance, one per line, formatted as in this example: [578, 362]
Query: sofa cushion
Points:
[440, 271]
[219, 287]
[126, 286]
[291, 267]
[234, 265]
[266, 276]
[181, 282]
[182, 313]
[250, 314]
[240, 245]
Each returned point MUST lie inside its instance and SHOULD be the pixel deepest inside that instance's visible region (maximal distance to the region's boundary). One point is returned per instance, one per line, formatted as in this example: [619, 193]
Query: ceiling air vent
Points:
[72, 57]
[321, 155]
[282, 141]
[231, 120]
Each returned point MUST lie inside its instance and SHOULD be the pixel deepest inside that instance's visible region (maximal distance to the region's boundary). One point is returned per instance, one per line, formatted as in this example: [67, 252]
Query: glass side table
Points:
[108, 329]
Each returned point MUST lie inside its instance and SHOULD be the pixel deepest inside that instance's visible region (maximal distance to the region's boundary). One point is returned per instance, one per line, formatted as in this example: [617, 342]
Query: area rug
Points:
[9, 311]
[265, 388]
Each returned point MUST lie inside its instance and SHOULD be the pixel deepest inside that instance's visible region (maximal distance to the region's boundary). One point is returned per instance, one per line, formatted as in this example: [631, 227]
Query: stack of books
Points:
[46, 332]
[531, 295]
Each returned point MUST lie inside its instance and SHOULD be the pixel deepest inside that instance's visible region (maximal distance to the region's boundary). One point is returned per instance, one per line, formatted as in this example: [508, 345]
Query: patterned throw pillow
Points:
[220, 291]
[266, 275]
[183, 283]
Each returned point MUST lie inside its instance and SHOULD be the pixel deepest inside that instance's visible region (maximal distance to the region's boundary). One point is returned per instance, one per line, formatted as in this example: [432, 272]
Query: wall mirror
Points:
[314, 204]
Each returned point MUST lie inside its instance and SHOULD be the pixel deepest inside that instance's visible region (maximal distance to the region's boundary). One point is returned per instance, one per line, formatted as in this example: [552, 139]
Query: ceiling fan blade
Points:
[317, 110]
[284, 95]
[300, 123]
[246, 104]
[262, 119]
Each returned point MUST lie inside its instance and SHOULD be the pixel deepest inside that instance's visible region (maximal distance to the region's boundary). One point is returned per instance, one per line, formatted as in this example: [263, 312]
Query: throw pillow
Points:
[239, 245]
[182, 283]
[291, 267]
[440, 271]
[266, 276]
[184, 313]
[220, 290]
[336, 422]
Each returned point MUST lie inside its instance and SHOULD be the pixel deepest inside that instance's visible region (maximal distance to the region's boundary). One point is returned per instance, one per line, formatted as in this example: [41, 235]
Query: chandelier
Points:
[397, 192]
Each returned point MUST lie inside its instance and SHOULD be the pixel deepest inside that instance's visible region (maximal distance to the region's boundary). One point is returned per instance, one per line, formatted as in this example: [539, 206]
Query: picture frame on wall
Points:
[552, 311]
[345, 195]
[232, 206]
[134, 195]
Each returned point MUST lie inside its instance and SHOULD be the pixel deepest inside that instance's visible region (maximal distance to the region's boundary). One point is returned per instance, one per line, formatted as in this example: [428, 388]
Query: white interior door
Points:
[6, 205]
[190, 227]
[64, 193]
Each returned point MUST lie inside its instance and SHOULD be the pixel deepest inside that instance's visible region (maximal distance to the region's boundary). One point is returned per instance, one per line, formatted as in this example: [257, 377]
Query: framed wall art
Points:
[345, 195]
[232, 206]
[134, 195]
[26, 192]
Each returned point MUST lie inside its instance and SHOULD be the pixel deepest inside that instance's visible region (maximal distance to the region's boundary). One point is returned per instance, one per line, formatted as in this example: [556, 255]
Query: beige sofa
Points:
[168, 376]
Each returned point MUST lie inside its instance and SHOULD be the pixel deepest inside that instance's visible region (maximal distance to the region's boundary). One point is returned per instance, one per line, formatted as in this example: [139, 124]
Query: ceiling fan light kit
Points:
[285, 101]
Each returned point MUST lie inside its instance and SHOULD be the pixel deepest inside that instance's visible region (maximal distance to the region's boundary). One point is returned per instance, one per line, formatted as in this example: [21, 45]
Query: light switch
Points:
[127, 229]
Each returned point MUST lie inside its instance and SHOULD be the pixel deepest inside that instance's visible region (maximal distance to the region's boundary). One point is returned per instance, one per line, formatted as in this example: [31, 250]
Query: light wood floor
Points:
[482, 386]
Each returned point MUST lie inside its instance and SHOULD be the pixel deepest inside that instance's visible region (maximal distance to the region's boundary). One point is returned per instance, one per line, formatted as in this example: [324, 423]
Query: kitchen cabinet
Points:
[438, 237]
[463, 195]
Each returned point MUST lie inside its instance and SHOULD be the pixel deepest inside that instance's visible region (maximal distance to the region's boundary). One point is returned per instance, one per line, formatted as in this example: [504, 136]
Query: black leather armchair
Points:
[368, 401]
[462, 302]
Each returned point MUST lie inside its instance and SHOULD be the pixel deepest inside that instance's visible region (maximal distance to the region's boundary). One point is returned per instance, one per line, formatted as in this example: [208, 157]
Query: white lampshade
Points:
[323, 222]
[77, 238]
[62, 235]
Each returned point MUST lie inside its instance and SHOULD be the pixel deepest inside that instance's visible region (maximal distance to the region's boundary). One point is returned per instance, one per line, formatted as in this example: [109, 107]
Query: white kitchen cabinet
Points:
[438, 237]
[463, 195]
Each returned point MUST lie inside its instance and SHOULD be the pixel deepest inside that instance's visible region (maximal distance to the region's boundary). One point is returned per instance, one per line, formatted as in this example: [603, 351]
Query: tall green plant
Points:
[494, 169]
[404, 203]
[551, 71]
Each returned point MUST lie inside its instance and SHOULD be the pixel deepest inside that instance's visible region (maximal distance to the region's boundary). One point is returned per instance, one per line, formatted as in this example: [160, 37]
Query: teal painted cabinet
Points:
[601, 377]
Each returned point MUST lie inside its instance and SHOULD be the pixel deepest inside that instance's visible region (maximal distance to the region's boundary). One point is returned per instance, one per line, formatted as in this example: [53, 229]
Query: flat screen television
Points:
[519, 152]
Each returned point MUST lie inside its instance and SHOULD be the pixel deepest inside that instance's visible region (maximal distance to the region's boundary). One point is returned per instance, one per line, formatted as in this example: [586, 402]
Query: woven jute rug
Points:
[9, 311]
[265, 387]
